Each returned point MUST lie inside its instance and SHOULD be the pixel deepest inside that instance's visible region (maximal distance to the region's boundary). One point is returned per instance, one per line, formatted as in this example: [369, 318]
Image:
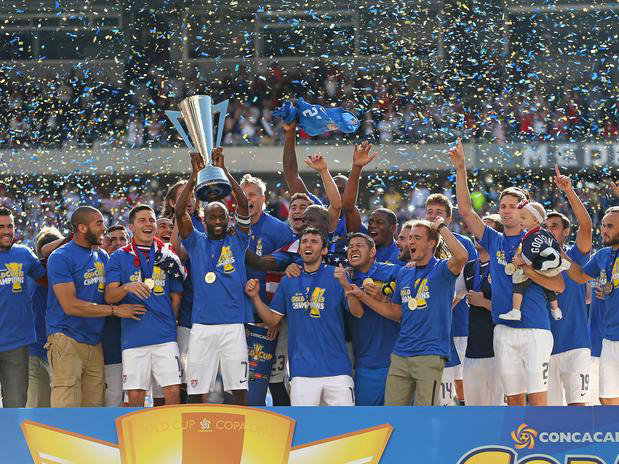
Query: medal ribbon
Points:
[428, 269]
[145, 266]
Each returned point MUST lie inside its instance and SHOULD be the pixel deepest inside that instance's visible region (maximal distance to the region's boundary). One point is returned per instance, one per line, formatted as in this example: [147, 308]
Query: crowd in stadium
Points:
[349, 311]
[79, 109]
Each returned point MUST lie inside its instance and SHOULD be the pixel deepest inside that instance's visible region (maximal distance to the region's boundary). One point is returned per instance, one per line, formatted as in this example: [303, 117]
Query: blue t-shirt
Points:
[314, 304]
[373, 335]
[16, 320]
[597, 313]
[110, 339]
[267, 235]
[425, 330]
[198, 224]
[39, 308]
[607, 260]
[184, 313]
[389, 254]
[85, 268]
[224, 301]
[571, 332]
[534, 307]
[460, 324]
[158, 324]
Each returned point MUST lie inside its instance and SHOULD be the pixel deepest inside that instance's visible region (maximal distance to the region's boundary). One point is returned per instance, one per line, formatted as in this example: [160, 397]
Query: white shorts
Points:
[445, 394]
[460, 343]
[160, 361]
[609, 369]
[482, 387]
[594, 382]
[213, 347]
[279, 371]
[182, 338]
[569, 377]
[337, 390]
[113, 385]
[523, 357]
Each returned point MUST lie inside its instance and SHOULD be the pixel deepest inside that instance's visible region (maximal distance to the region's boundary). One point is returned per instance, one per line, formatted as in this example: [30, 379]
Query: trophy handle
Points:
[175, 117]
[222, 109]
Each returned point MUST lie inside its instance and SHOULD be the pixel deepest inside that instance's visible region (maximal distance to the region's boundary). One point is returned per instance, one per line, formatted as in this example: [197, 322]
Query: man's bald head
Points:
[214, 205]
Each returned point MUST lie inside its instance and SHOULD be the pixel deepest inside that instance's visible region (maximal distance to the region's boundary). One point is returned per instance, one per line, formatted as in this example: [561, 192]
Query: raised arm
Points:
[183, 219]
[463, 196]
[47, 249]
[318, 163]
[242, 208]
[291, 168]
[177, 245]
[270, 318]
[585, 225]
[360, 158]
[459, 255]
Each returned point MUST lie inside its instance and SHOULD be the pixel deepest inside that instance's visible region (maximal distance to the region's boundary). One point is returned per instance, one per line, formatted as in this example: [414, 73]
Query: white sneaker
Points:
[556, 314]
[513, 315]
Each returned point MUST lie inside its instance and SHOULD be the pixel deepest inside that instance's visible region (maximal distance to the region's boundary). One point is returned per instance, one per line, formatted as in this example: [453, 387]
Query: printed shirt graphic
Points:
[85, 268]
[534, 309]
[316, 345]
[460, 323]
[602, 260]
[597, 313]
[158, 325]
[571, 332]
[224, 301]
[425, 330]
[541, 250]
[267, 235]
[373, 335]
[16, 321]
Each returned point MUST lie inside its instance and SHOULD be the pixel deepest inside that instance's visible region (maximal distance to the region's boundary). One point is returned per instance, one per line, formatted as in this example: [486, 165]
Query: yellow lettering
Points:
[489, 455]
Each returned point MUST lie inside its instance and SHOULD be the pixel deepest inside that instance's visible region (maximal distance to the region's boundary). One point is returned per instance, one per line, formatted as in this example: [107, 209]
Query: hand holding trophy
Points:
[197, 113]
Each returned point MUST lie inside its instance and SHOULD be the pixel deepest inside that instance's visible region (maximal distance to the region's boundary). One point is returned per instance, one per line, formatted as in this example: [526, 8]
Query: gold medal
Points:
[150, 283]
[510, 268]
[412, 303]
[608, 288]
[210, 277]
[367, 281]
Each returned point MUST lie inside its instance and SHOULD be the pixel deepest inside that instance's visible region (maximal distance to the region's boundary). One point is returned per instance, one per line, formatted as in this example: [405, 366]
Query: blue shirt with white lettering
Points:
[534, 309]
[267, 235]
[158, 324]
[314, 304]
[425, 329]
[224, 300]
[373, 335]
[16, 320]
[607, 260]
[571, 332]
[460, 325]
[85, 268]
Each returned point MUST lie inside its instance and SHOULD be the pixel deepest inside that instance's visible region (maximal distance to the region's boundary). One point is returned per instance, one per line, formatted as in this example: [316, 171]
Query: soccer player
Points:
[438, 205]
[522, 348]
[401, 242]
[76, 313]
[422, 303]
[570, 360]
[480, 382]
[314, 303]
[147, 271]
[373, 335]
[17, 329]
[606, 260]
[382, 225]
[220, 306]
[164, 229]
[38, 372]
[115, 237]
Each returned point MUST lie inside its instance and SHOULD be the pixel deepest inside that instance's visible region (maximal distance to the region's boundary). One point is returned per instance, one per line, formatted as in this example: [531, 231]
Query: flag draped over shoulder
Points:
[165, 258]
[315, 119]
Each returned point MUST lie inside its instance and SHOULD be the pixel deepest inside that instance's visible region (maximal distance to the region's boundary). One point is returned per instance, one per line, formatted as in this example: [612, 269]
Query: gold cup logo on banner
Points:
[204, 434]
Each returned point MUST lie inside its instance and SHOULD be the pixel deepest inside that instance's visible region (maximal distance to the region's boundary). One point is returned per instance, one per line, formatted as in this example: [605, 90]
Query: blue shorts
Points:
[370, 386]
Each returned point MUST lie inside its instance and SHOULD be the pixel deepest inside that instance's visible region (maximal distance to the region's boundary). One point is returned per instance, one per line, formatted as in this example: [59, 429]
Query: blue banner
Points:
[459, 435]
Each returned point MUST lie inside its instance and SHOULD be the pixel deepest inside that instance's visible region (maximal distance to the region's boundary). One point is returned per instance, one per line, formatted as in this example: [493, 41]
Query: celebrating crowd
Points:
[346, 313]
[78, 109]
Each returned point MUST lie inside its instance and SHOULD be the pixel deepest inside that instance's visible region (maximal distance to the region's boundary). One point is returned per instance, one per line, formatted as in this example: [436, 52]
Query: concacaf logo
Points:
[524, 437]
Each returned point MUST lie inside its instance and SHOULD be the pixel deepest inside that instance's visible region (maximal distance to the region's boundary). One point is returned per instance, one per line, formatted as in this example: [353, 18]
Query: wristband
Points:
[440, 226]
[244, 221]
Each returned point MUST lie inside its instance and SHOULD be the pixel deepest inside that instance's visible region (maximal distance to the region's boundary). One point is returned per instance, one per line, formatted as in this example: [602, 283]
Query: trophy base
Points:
[212, 184]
